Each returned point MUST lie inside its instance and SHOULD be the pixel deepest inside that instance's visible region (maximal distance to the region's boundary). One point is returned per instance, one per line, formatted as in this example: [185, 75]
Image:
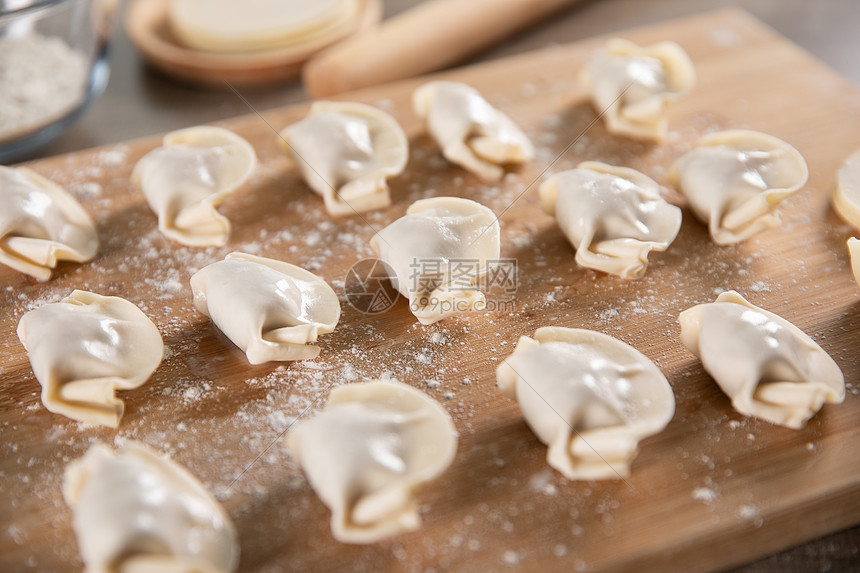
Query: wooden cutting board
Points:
[713, 490]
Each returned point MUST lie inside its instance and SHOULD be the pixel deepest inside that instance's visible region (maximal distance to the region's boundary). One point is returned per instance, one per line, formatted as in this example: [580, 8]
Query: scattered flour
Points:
[705, 494]
[227, 423]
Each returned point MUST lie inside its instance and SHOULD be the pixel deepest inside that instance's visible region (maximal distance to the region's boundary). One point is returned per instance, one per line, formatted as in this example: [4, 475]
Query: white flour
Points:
[41, 78]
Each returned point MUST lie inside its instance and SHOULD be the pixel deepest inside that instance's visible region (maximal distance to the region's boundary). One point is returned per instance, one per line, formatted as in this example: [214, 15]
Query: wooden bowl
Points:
[146, 24]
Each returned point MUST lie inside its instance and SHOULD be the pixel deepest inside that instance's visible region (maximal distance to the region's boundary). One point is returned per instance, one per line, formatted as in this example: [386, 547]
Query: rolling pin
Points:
[429, 37]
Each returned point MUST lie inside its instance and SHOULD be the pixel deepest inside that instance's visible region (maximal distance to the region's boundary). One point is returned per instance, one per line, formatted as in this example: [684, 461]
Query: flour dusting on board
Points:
[225, 420]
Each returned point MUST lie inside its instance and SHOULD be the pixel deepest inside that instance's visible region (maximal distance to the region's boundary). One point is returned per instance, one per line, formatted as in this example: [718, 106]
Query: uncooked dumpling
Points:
[767, 366]
[41, 224]
[85, 347]
[367, 450]
[268, 308]
[136, 511]
[734, 180]
[589, 397]
[186, 179]
[846, 202]
[846, 196]
[346, 152]
[471, 132]
[613, 216]
[854, 253]
[633, 86]
[437, 252]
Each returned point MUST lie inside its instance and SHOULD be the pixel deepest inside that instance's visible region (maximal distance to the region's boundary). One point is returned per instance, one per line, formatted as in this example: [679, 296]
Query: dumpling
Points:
[367, 450]
[268, 308]
[735, 179]
[85, 347]
[613, 216]
[767, 366]
[633, 86]
[346, 152]
[846, 196]
[189, 176]
[137, 511]
[471, 132]
[846, 203]
[437, 252]
[854, 252]
[41, 224]
[589, 397]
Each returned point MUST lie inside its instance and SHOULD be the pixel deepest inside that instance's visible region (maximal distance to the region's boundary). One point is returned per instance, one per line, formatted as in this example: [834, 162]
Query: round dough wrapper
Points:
[229, 26]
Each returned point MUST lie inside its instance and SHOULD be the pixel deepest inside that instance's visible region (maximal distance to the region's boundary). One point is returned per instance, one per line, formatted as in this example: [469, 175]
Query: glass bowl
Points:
[52, 66]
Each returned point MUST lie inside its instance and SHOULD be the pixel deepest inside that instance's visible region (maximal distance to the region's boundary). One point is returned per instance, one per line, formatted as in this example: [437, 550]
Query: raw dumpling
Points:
[471, 132]
[437, 252]
[346, 152]
[767, 366]
[186, 179]
[632, 86]
[137, 511]
[40, 224]
[846, 196]
[846, 203]
[589, 397]
[735, 179]
[613, 216]
[854, 252]
[367, 450]
[85, 347]
[268, 308]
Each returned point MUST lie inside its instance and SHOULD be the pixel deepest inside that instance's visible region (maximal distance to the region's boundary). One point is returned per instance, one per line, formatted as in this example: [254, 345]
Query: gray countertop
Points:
[140, 102]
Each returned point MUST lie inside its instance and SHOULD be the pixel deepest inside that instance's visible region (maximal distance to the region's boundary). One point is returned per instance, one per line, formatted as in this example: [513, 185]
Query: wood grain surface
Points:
[713, 490]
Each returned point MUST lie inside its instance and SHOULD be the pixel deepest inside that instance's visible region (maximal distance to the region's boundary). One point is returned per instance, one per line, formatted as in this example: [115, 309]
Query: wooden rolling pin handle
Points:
[429, 37]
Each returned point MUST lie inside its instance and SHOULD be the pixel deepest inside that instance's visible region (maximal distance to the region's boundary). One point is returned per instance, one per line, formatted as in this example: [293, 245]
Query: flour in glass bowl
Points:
[41, 79]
